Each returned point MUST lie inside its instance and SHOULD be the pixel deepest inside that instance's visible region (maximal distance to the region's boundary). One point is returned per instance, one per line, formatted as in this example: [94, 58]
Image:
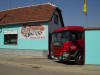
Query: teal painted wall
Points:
[92, 47]
[35, 44]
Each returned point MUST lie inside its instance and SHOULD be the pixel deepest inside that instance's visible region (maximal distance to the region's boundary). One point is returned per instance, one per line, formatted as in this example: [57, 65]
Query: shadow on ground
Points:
[67, 63]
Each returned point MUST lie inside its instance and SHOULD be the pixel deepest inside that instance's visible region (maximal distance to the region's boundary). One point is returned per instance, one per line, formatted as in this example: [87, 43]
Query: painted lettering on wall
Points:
[37, 32]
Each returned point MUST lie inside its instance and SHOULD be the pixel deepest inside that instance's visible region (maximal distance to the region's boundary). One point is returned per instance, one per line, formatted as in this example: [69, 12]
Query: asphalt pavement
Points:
[45, 63]
[16, 70]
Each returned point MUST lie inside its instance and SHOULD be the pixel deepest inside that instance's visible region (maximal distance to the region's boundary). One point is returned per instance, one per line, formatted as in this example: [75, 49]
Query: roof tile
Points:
[26, 14]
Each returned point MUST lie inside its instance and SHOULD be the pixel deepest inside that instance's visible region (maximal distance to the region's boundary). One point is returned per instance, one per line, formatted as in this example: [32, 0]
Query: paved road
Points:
[19, 70]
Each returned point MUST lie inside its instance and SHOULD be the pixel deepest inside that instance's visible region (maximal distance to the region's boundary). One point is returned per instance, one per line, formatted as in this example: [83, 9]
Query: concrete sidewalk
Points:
[44, 62]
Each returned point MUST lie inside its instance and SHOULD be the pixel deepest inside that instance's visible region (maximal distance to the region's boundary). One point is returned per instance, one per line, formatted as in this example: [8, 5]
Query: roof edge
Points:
[92, 28]
[24, 22]
[28, 6]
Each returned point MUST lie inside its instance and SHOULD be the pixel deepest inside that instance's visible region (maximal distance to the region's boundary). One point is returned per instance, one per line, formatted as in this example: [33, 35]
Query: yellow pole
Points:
[85, 12]
[85, 7]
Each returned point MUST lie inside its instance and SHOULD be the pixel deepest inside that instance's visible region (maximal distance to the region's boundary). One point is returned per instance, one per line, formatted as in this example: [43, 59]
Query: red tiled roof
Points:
[42, 12]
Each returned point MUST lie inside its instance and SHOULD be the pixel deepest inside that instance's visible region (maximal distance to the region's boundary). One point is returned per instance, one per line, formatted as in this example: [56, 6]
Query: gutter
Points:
[92, 28]
[41, 21]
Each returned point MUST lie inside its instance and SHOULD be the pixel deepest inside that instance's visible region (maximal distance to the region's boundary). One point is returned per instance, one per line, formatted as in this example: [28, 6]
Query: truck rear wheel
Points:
[79, 59]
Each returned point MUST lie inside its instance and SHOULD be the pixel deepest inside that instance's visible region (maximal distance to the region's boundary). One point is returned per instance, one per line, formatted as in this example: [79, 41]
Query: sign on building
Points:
[10, 32]
[37, 32]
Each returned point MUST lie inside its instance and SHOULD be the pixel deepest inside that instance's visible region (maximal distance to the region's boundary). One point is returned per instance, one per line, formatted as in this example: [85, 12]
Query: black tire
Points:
[79, 59]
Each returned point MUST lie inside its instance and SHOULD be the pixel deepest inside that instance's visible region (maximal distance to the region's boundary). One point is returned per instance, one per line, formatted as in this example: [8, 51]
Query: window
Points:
[76, 35]
[55, 19]
[61, 36]
[10, 39]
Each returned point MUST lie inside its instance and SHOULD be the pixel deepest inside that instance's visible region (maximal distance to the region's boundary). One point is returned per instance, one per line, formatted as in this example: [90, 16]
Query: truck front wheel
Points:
[79, 59]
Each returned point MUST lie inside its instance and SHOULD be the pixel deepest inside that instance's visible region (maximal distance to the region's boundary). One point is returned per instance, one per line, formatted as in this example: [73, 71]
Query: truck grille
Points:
[57, 50]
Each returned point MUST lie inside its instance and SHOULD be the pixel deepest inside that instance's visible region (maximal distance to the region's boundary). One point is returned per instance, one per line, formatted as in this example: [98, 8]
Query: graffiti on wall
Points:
[37, 32]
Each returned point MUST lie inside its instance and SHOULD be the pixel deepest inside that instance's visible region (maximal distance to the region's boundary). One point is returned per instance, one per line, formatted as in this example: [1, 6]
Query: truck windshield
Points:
[67, 36]
[76, 35]
[60, 36]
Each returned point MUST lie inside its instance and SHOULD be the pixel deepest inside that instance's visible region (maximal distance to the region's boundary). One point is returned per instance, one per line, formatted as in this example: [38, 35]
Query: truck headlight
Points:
[65, 54]
[73, 47]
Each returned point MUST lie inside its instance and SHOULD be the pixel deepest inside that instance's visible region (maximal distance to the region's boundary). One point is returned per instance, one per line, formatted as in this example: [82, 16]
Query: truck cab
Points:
[68, 44]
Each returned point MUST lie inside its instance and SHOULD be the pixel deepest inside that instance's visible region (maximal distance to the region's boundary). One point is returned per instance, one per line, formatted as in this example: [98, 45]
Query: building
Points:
[26, 30]
[92, 45]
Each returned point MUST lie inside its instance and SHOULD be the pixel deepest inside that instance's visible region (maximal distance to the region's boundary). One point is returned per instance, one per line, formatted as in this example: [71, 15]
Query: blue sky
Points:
[71, 10]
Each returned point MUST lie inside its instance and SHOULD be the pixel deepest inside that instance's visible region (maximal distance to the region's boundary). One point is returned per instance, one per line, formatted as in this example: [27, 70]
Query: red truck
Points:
[68, 44]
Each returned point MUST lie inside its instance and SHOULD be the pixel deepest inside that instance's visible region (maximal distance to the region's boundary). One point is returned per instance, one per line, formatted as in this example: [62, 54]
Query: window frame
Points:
[11, 43]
